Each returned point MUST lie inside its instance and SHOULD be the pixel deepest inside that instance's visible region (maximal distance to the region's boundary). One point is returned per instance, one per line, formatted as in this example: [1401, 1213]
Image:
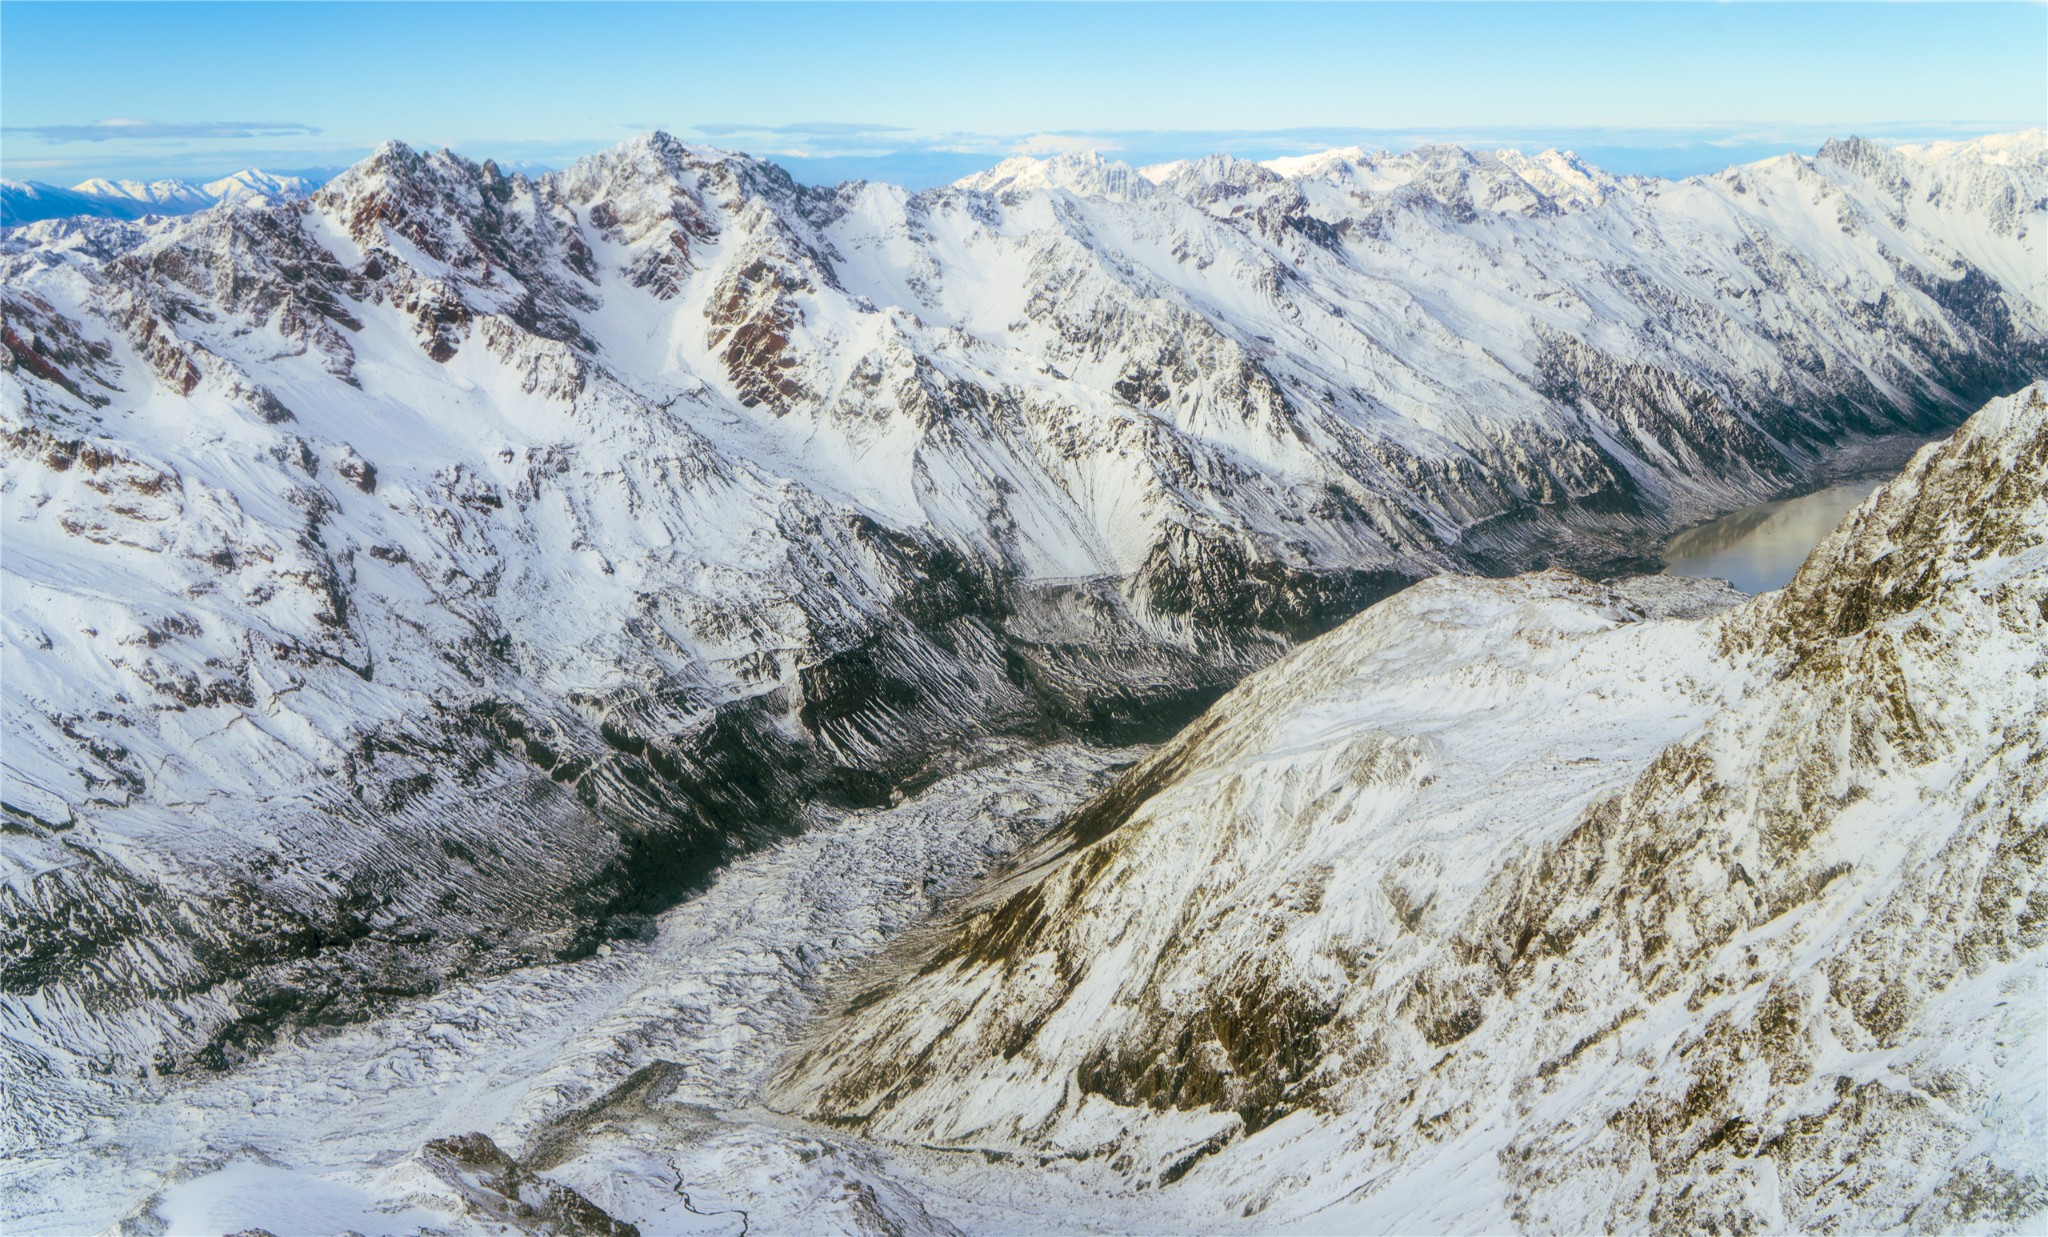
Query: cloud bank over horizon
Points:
[831, 154]
[923, 94]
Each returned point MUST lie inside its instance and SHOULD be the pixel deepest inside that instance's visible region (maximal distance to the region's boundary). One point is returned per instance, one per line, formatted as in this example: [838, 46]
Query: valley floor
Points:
[321, 1133]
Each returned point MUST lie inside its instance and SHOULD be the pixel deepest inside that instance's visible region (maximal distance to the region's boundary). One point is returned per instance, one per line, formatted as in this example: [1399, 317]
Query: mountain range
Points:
[449, 576]
[28, 201]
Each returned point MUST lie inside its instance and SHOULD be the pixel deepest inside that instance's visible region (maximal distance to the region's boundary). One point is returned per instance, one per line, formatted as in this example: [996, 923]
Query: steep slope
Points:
[441, 572]
[1505, 906]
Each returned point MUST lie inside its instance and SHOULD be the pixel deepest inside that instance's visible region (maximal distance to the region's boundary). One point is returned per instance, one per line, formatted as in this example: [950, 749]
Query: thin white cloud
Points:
[1063, 144]
[812, 128]
[920, 159]
[121, 129]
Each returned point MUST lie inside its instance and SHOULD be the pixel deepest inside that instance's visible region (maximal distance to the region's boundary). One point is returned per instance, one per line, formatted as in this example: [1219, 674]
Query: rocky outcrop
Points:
[499, 1190]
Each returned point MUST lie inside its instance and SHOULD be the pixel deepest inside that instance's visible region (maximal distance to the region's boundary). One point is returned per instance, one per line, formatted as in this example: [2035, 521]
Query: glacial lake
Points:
[1760, 548]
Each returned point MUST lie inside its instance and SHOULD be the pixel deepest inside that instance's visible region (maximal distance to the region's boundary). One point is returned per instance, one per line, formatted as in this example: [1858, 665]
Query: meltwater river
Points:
[1760, 548]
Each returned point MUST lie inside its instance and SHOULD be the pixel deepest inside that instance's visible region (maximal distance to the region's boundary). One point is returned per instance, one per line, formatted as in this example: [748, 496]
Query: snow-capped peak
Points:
[2028, 148]
[1561, 176]
[249, 182]
[1206, 176]
[1498, 180]
[255, 183]
[1085, 173]
[155, 193]
[30, 201]
[1320, 161]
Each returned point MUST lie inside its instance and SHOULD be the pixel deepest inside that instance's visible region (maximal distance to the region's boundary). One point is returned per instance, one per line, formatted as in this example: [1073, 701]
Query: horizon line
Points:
[1108, 153]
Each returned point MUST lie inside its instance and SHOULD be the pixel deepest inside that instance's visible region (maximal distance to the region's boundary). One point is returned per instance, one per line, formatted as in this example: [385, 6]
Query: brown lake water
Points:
[1760, 548]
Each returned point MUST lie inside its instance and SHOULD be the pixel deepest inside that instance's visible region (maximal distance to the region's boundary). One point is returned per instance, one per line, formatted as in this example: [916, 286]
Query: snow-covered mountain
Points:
[256, 183]
[1660, 885]
[1512, 905]
[162, 197]
[27, 201]
[443, 572]
[24, 202]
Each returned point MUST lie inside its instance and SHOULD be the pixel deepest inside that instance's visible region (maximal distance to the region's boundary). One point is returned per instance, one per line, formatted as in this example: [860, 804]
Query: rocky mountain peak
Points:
[1212, 177]
[400, 186]
[1865, 158]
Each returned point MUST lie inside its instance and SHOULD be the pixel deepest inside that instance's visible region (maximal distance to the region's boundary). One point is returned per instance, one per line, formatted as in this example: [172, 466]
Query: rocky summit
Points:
[457, 605]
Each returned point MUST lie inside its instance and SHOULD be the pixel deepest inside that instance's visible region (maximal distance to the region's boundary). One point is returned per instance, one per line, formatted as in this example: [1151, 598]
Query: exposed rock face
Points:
[500, 1190]
[439, 573]
[1508, 905]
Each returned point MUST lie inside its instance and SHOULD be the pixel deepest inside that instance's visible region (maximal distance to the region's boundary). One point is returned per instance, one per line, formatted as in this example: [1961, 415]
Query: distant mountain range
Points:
[28, 201]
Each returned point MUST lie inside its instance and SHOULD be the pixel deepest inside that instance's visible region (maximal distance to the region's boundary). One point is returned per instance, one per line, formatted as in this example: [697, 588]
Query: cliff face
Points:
[1509, 904]
[440, 573]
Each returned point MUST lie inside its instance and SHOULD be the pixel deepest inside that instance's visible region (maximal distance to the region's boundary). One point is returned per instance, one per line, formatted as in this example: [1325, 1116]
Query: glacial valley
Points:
[654, 697]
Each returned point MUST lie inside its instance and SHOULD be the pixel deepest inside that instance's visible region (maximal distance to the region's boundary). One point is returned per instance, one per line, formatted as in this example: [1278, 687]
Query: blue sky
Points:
[921, 93]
